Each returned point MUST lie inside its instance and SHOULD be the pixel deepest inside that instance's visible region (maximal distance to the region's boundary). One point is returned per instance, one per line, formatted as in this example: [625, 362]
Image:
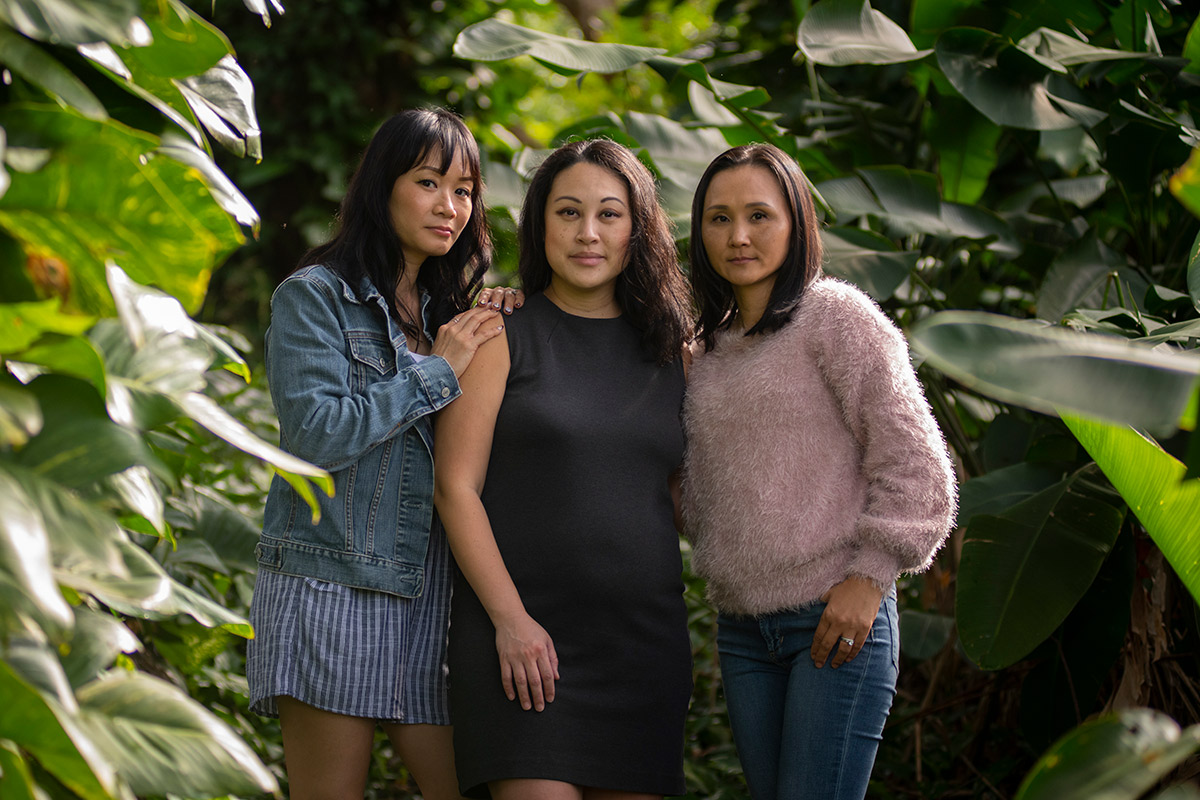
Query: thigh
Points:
[534, 789]
[590, 793]
[326, 754]
[834, 718]
[755, 684]
[428, 753]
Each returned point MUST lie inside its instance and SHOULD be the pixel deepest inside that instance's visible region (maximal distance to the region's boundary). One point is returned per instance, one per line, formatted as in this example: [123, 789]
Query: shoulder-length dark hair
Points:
[651, 291]
[712, 294]
[366, 243]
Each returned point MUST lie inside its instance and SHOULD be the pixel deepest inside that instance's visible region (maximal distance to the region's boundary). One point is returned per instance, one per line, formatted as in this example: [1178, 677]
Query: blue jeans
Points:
[804, 733]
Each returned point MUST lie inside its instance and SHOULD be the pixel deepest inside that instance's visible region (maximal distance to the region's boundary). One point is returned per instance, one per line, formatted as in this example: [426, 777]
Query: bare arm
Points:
[462, 447]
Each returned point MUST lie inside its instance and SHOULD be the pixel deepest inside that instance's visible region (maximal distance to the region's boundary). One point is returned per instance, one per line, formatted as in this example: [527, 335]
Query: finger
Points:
[522, 682]
[843, 650]
[859, 640]
[506, 680]
[823, 640]
[535, 680]
[547, 673]
[510, 300]
[484, 298]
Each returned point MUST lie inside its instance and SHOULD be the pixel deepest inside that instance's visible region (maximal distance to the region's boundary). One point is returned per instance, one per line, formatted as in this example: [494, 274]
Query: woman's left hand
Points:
[850, 610]
[501, 299]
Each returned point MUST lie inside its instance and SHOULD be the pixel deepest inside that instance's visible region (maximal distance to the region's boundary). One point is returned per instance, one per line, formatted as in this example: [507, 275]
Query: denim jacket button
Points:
[445, 391]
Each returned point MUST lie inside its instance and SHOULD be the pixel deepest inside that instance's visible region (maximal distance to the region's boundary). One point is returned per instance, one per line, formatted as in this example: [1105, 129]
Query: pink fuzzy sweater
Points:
[812, 456]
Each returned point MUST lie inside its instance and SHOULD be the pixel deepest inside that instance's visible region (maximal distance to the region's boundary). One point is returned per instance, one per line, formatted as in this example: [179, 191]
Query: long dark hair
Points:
[651, 291]
[712, 294]
[366, 242]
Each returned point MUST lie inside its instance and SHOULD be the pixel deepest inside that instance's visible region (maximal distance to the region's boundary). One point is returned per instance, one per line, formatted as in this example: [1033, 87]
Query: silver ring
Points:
[454, 321]
[849, 642]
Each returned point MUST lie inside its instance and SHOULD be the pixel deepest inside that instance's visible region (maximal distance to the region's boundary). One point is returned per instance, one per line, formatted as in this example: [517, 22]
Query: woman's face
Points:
[746, 226]
[429, 210]
[588, 225]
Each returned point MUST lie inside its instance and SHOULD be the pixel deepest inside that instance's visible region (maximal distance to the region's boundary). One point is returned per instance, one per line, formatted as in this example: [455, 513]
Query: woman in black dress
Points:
[553, 484]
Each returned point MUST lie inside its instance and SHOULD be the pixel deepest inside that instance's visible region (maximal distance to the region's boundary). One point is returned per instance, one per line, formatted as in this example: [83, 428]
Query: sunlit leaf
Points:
[1050, 369]
[966, 150]
[842, 32]
[97, 639]
[730, 95]
[20, 415]
[25, 566]
[1185, 185]
[51, 736]
[1116, 757]
[223, 189]
[21, 324]
[163, 742]
[1152, 483]
[66, 355]
[223, 100]
[1068, 50]
[41, 69]
[140, 494]
[1024, 569]
[16, 780]
[71, 22]
[261, 8]
[495, 40]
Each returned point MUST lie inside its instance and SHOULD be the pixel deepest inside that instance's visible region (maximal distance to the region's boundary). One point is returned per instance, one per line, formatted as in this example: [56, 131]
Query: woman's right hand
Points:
[528, 662]
[459, 338]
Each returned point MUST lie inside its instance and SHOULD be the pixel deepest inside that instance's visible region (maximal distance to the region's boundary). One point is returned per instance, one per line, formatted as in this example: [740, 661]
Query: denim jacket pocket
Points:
[372, 358]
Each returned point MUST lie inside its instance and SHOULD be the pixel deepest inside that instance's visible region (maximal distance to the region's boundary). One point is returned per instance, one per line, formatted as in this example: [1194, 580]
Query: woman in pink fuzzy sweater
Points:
[814, 475]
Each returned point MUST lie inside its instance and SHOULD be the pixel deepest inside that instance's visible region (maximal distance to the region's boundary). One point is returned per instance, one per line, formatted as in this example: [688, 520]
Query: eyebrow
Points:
[756, 203]
[571, 199]
[464, 178]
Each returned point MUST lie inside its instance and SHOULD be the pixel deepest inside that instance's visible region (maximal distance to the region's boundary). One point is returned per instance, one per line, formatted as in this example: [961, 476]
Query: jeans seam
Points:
[848, 732]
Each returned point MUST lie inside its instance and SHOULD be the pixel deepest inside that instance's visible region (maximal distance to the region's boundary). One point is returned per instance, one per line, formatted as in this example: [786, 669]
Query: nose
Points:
[738, 235]
[445, 205]
[587, 230]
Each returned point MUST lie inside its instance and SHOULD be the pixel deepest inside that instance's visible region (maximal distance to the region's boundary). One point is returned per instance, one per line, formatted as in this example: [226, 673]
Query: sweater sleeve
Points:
[911, 491]
[308, 367]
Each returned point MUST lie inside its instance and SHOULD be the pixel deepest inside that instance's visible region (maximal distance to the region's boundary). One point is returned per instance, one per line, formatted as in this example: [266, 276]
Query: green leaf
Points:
[223, 100]
[1185, 185]
[495, 40]
[16, 781]
[163, 742]
[71, 22]
[105, 194]
[1116, 757]
[27, 581]
[680, 154]
[923, 635]
[965, 142]
[260, 7]
[1003, 488]
[1084, 275]
[41, 69]
[97, 639]
[51, 736]
[867, 259]
[20, 416]
[841, 32]
[223, 189]
[1068, 50]
[1022, 571]
[67, 355]
[1152, 483]
[730, 95]
[22, 324]
[140, 494]
[184, 44]
[1191, 48]
[1008, 85]
[1050, 369]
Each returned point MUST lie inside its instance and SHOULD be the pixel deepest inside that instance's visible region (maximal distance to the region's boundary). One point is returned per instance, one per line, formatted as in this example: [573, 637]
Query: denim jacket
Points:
[352, 400]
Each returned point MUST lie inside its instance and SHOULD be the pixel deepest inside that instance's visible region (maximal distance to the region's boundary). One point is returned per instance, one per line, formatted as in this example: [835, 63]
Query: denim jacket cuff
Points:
[438, 380]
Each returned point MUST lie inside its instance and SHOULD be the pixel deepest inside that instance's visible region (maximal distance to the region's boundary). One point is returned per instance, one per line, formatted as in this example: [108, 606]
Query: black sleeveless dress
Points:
[578, 498]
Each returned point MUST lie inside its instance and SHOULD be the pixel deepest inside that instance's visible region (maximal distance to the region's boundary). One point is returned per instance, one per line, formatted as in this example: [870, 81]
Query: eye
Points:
[610, 214]
[568, 212]
[758, 215]
[718, 218]
[463, 192]
[427, 182]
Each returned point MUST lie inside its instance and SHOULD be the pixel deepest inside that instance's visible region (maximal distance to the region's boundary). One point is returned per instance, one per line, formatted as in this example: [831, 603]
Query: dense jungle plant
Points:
[1017, 203]
[109, 404]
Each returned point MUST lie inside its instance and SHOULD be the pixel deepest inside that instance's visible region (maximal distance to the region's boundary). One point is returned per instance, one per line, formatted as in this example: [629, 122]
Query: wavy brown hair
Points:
[712, 294]
[651, 291]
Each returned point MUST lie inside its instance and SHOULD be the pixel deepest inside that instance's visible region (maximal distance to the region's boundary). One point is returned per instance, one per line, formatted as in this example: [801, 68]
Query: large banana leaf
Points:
[1023, 570]
[837, 33]
[38, 67]
[1152, 483]
[1051, 369]
[495, 40]
[1116, 757]
[104, 193]
[75, 21]
[223, 100]
[163, 742]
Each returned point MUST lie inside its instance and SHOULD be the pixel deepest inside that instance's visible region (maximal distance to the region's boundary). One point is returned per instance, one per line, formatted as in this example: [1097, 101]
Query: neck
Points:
[752, 303]
[599, 303]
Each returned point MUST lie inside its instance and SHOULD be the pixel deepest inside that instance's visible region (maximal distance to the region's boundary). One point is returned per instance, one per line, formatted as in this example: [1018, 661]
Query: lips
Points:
[442, 231]
[587, 258]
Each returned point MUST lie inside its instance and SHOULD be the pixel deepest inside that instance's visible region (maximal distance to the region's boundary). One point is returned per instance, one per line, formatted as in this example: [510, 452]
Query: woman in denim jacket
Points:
[350, 608]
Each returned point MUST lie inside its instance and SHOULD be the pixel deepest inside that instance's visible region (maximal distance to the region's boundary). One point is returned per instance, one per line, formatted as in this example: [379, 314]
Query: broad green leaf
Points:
[72, 22]
[1068, 50]
[184, 44]
[1191, 48]
[1003, 488]
[66, 355]
[104, 193]
[1085, 275]
[26, 572]
[140, 494]
[867, 259]
[1051, 369]
[51, 736]
[1185, 185]
[223, 189]
[1008, 85]
[1193, 273]
[1116, 757]
[1152, 483]
[20, 415]
[96, 641]
[41, 69]
[1023, 570]
[928, 18]
[163, 742]
[965, 143]
[1080, 192]
[922, 634]
[222, 98]
[495, 40]
[16, 781]
[79, 444]
[680, 154]
[730, 95]
[22, 324]
[261, 8]
[841, 32]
